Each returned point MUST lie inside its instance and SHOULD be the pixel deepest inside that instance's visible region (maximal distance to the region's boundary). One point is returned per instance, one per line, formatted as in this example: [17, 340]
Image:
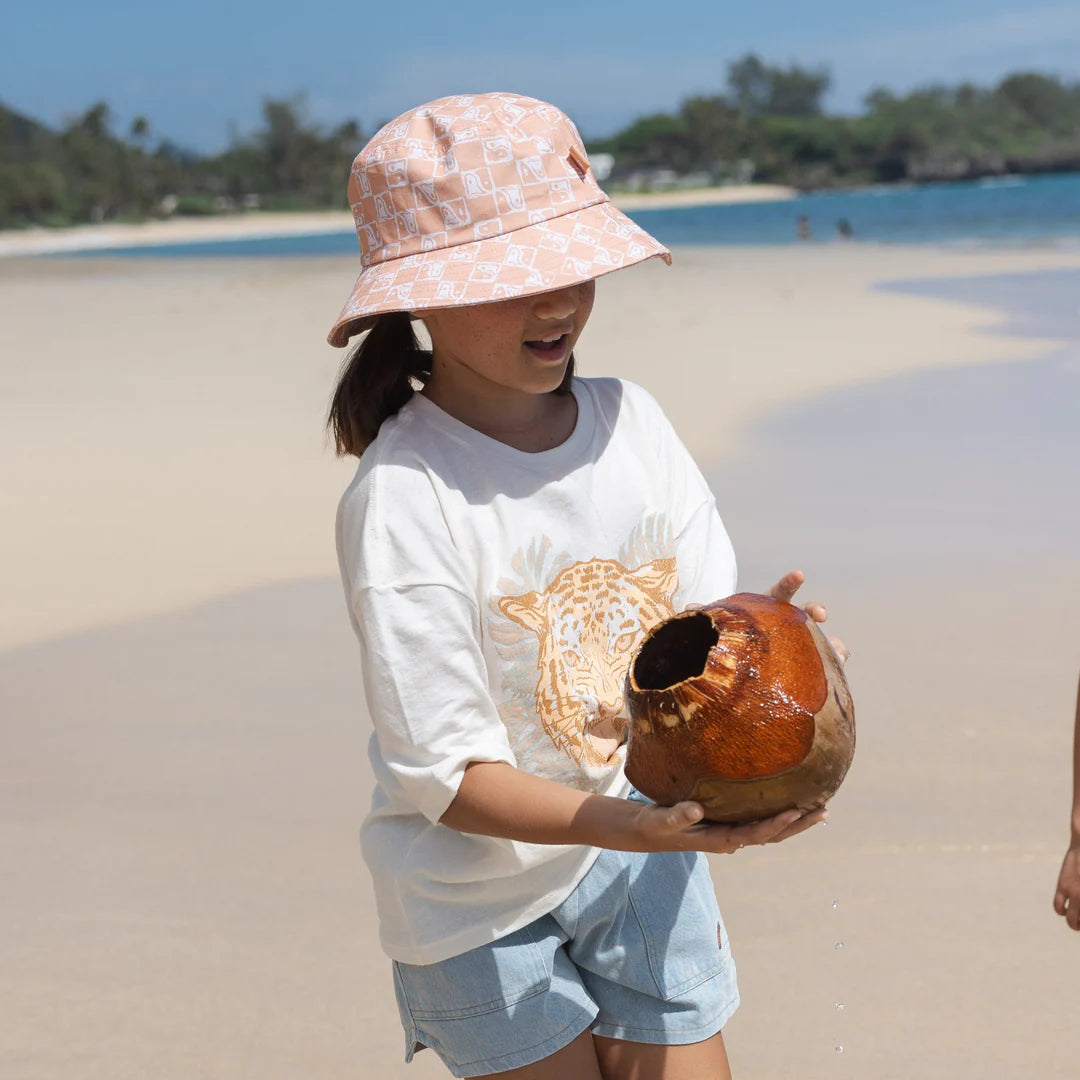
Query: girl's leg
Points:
[621, 1060]
[575, 1061]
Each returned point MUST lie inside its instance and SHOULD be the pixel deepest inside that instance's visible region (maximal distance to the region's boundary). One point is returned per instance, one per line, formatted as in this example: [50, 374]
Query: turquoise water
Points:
[1008, 210]
[1005, 211]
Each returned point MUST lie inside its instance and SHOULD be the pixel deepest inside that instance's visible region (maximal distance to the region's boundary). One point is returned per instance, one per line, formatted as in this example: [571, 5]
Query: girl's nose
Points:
[556, 305]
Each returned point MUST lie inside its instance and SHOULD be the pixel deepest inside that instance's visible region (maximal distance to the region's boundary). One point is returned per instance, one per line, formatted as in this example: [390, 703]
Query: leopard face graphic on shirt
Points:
[574, 641]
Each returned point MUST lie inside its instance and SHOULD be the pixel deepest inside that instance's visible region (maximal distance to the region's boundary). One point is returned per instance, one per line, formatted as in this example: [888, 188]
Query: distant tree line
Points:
[86, 172]
[768, 125]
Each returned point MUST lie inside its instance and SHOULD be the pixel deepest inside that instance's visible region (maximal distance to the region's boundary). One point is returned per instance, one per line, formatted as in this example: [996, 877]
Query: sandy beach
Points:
[714, 196]
[184, 768]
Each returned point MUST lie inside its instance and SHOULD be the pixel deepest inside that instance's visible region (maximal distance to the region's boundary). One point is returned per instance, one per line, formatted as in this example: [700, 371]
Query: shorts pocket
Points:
[673, 901]
[485, 979]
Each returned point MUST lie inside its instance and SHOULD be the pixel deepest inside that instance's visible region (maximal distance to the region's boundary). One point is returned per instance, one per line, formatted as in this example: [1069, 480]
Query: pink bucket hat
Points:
[477, 198]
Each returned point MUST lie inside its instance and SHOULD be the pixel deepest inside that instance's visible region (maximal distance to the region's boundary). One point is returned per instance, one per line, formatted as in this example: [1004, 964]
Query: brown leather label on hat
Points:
[578, 160]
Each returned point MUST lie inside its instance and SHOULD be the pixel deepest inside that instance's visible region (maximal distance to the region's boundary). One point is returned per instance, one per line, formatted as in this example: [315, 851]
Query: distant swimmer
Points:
[844, 229]
[802, 228]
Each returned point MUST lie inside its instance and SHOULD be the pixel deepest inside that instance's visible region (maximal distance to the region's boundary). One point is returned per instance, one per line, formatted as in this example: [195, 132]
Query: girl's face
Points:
[510, 347]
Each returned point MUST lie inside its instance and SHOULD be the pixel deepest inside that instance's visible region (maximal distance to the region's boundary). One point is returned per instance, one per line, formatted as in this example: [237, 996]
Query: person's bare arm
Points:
[495, 799]
[1067, 896]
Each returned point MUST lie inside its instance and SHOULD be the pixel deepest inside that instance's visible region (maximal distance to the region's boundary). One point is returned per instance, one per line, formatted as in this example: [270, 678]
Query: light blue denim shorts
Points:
[637, 951]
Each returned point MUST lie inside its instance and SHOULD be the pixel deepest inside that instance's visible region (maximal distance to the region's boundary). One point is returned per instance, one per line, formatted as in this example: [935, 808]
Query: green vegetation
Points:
[85, 172]
[768, 125]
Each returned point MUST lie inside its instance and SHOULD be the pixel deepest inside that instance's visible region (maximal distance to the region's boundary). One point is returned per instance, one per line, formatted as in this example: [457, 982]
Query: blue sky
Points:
[199, 69]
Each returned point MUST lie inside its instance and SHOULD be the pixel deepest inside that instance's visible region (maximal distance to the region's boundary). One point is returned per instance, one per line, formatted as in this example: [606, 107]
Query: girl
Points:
[511, 534]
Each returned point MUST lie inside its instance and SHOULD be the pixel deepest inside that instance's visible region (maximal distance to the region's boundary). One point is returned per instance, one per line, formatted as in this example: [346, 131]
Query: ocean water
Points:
[1010, 211]
[1006, 211]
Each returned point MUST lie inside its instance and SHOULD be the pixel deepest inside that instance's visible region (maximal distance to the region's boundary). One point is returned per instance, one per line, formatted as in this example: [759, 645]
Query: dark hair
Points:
[378, 376]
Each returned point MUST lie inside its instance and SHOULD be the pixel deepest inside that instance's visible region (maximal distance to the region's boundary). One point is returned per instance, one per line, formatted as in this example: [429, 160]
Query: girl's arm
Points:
[496, 799]
[1067, 897]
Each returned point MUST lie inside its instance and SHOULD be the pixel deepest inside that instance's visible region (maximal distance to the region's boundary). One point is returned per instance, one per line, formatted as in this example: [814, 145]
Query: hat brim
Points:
[551, 254]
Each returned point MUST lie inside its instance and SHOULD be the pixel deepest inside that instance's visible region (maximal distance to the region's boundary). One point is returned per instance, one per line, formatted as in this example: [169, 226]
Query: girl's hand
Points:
[787, 587]
[681, 828]
[1067, 897]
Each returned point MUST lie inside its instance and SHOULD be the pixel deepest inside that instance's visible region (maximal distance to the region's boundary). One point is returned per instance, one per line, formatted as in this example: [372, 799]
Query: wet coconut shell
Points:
[741, 706]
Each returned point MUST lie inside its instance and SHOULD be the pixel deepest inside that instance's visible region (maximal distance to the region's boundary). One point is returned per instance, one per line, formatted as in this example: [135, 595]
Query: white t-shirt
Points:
[498, 596]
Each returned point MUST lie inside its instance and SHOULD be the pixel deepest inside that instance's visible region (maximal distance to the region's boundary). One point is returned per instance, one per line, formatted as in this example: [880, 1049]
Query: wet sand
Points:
[183, 766]
[947, 547]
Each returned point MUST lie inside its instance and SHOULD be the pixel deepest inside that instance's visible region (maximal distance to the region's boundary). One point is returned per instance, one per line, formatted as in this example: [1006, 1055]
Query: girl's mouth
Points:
[551, 349]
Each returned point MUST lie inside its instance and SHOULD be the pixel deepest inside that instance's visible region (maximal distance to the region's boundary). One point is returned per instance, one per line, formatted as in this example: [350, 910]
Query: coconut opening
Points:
[675, 651]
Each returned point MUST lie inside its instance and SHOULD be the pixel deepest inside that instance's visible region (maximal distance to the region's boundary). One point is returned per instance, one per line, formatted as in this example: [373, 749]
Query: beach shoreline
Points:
[258, 225]
[710, 196]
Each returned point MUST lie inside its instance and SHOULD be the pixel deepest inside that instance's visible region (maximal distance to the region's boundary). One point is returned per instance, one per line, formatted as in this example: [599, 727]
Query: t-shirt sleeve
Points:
[426, 688]
[413, 608]
[706, 558]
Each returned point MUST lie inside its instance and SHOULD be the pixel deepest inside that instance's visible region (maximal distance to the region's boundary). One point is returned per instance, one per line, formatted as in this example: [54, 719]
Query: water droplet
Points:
[839, 1006]
[838, 946]
[839, 1049]
[835, 904]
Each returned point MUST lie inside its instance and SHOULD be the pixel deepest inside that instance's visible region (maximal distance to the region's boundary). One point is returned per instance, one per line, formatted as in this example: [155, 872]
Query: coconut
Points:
[742, 706]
